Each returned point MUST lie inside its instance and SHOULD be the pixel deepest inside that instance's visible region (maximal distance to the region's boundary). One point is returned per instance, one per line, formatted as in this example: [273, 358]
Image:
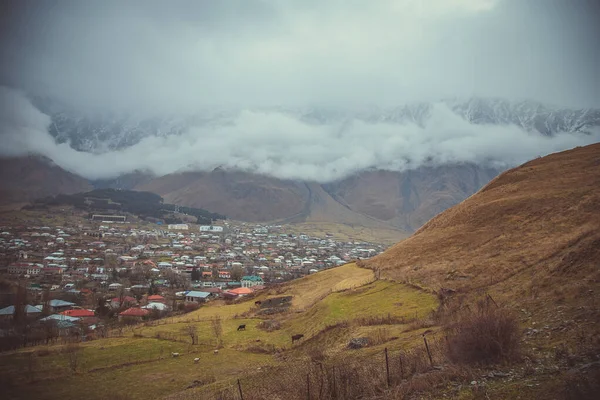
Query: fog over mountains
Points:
[321, 144]
[393, 109]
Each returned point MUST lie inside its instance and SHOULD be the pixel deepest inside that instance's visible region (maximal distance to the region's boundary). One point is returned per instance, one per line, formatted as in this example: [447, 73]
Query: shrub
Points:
[269, 325]
[189, 307]
[490, 334]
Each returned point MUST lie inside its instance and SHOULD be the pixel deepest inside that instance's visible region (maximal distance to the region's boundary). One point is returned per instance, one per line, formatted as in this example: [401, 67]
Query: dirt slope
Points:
[531, 237]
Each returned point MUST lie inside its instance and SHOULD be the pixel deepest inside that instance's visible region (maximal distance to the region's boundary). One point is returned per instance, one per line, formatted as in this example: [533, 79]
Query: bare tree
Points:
[72, 351]
[192, 332]
[217, 329]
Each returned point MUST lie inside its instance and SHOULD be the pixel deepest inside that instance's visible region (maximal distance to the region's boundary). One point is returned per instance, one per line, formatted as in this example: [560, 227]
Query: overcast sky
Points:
[176, 56]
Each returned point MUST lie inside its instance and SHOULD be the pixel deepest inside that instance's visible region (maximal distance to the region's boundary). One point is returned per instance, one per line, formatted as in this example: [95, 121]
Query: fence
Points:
[347, 377]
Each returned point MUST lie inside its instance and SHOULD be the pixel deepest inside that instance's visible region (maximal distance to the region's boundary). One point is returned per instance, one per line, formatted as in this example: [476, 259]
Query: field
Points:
[327, 308]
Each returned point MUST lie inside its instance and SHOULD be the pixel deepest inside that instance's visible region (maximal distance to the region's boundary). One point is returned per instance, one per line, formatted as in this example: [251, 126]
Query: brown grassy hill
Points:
[28, 178]
[531, 237]
[239, 195]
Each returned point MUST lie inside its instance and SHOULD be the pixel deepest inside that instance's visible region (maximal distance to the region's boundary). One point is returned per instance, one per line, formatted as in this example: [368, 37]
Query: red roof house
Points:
[156, 297]
[79, 313]
[134, 312]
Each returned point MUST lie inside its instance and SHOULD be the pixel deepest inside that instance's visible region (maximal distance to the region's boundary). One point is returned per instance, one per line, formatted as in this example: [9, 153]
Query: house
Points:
[79, 313]
[30, 311]
[134, 313]
[114, 286]
[241, 291]
[57, 305]
[127, 301]
[224, 274]
[156, 298]
[251, 280]
[195, 296]
[156, 306]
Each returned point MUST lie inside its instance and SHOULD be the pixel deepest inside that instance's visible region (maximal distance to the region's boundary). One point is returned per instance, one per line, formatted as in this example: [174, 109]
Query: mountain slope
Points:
[239, 195]
[409, 199]
[28, 178]
[531, 237]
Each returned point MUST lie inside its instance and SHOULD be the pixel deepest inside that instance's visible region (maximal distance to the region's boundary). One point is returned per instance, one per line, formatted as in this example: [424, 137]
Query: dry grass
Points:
[489, 334]
[529, 231]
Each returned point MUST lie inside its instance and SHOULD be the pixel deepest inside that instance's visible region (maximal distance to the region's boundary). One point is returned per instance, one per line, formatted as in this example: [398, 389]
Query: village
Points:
[81, 279]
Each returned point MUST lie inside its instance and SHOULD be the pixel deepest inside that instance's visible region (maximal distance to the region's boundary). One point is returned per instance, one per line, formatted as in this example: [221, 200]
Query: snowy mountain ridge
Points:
[104, 132]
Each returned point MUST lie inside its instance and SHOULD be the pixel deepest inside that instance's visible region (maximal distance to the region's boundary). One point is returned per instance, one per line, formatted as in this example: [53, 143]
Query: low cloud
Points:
[283, 146]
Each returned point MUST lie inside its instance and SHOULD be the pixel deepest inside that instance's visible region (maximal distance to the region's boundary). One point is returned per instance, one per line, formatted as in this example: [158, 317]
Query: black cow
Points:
[242, 327]
[297, 337]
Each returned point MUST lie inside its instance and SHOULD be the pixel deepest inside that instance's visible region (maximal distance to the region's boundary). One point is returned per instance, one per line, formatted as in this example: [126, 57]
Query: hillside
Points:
[143, 204]
[530, 237]
[329, 308]
[375, 199]
[23, 179]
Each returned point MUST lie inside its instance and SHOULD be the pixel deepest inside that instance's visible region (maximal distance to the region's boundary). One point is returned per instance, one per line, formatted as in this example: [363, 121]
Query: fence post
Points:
[401, 367]
[428, 352]
[308, 386]
[240, 390]
[387, 367]
[334, 388]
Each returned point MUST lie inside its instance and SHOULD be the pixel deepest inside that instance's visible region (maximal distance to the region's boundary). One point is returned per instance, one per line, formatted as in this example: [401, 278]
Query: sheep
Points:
[174, 355]
[216, 352]
[196, 360]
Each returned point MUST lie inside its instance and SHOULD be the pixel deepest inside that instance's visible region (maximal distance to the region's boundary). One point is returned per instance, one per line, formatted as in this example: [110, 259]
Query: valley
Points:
[519, 253]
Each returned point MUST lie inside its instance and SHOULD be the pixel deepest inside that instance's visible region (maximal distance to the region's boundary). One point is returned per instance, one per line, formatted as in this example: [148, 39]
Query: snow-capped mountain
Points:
[101, 132]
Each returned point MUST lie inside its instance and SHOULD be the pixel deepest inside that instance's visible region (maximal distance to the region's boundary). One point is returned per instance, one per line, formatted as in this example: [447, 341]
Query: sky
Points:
[158, 57]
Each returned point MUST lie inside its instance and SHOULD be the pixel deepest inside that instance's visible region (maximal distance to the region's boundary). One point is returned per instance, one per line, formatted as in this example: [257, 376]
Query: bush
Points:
[189, 307]
[269, 325]
[488, 335]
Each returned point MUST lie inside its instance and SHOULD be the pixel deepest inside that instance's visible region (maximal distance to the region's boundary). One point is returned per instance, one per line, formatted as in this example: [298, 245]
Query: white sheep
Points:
[174, 354]
[196, 360]
[216, 351]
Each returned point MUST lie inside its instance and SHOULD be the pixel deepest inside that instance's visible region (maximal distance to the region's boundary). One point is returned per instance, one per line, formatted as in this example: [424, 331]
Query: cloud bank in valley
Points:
[280, 145]
[158, 58]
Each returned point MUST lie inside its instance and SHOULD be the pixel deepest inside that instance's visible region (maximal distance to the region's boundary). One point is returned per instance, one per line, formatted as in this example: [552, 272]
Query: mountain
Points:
[28, 178]
[530, 237]
[239, 195]
[403, 200]
[106, 131]
[409, 199]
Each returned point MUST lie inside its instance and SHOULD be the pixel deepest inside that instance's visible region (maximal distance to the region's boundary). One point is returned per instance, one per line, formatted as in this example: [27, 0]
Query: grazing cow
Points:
[257, 303]
[216, 351]
[196, 360]
[297, 337]
[242, 327]
[174, 354]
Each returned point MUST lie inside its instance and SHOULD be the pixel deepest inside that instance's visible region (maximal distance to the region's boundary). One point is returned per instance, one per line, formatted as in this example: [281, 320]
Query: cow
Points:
[297, 337]
[242, 327]
[196, 360]
[174, 355]
[258, 303]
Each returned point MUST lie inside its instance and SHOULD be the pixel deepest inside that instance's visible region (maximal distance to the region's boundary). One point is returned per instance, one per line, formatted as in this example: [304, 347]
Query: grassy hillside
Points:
[329, 308]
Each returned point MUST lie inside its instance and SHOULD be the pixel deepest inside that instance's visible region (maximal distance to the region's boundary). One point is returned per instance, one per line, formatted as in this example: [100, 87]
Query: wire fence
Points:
[346, 377]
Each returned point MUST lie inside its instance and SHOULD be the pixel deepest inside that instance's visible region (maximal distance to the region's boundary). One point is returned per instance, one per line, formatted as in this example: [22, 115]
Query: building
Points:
[178, 227]
[211, 228]
[196, 297]
[249, 281]
[109, 218]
